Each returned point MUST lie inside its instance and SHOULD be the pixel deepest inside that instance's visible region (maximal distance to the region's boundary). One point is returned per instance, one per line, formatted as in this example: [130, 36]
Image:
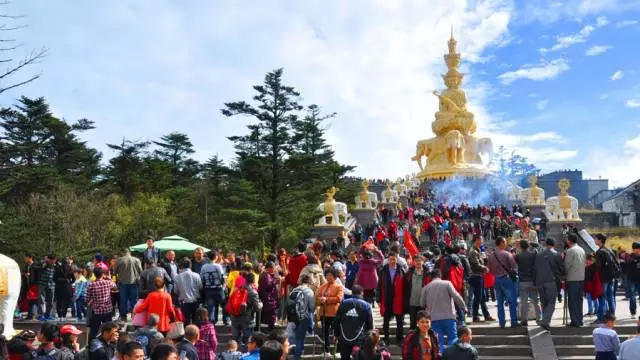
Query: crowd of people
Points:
[427, 261]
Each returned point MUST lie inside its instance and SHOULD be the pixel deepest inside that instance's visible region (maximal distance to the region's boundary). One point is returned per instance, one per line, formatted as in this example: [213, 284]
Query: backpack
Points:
[237, 303]
[52, 354]
[296, 306]
[213, 279]
[611, 265]
[456, 276]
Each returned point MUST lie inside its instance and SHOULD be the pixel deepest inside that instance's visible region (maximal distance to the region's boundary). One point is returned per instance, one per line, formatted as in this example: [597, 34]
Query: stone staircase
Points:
[577, 343]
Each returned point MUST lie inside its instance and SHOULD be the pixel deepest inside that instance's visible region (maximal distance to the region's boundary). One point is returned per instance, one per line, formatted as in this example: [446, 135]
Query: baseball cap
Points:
[70, 329]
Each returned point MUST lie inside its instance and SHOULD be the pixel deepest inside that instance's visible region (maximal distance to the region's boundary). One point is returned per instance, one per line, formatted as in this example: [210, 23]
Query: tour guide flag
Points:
[409, 244]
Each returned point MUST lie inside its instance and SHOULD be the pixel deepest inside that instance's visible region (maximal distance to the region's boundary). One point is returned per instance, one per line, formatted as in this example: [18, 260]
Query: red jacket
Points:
[391, 291]
[296, 263]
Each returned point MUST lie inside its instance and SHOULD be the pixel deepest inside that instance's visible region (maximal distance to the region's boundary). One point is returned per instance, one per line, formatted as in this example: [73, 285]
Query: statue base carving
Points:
[364, 217]
[536, 210]
[404, 201]
[392, 207]
[446, 171]
[327, 232]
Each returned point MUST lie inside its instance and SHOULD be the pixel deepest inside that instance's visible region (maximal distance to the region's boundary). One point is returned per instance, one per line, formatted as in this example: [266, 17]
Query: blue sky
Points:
[555, 81]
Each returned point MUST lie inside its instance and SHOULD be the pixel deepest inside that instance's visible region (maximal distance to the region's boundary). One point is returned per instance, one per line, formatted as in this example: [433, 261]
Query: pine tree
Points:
[124, 169]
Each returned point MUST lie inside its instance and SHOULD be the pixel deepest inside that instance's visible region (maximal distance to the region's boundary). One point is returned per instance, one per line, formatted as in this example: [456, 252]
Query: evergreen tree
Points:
[124, 169]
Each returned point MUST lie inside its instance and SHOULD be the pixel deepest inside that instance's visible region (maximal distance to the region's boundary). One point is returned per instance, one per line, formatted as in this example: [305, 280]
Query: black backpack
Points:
[611, 265]
[296, 306]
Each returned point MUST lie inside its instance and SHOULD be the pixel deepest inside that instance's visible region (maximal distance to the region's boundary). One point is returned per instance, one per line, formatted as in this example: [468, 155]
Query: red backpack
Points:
[237, 303]
[456, 276]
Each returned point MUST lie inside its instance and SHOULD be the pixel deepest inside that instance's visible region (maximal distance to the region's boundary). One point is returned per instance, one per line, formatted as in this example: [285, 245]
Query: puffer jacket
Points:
[460, 351]
[314, 271]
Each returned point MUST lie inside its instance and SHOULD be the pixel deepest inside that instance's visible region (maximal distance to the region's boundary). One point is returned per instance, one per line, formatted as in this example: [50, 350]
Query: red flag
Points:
[409, 244]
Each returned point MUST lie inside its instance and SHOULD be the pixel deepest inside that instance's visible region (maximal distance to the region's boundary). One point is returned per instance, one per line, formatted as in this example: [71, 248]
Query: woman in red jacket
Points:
[158, 302]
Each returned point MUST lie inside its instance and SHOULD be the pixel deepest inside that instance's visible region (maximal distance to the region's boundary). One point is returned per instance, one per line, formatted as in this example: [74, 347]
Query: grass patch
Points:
[619, 237]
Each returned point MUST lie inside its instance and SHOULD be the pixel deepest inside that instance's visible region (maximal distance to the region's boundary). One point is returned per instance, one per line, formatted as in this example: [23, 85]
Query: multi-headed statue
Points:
[366, 199]
[389, 195]
[533, 195]
[563, 207]
[332, 209]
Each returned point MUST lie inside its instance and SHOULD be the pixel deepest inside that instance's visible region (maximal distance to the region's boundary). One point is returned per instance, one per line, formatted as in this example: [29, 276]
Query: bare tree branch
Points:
[4, 27]
[19, 84]
[11, 48]
[33, 58]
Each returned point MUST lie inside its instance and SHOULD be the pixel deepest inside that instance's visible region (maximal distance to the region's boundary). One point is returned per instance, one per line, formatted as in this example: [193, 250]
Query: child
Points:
[605, 339]
[79, 291]
[592, 285]
[231, 353]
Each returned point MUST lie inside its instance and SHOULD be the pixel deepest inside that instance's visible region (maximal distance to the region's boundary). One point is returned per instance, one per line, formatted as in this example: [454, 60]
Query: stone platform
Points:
[364, 217]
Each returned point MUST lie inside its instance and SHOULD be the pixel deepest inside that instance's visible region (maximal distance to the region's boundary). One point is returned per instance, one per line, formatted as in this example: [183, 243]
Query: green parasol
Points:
[173, 242]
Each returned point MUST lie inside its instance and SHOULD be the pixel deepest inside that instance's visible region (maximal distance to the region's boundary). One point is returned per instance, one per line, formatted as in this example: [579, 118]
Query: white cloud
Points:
[601, 21]
[533, 95]
[632, 103]
[597, 50]
[542, 104]
[617, 75]
[625, 23]
[604, 96]
[563, 42]
[622, 169]
[544, 71]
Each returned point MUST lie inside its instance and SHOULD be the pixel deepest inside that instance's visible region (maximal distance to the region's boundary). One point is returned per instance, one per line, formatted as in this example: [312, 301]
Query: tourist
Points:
[243, 324]
[367, 275]
[391, 295]
[69, 345]
[280, 335]
[633, 276]
[152, 271]
[254, 343]
[592, 284]
[524, 233]
[462, 349]
[302, 319]
[314, 271]
[574, 261]
[149, 336]
[526, 270]
[423, 342]
[370, 349]
[98, 298]
[213, 281]
[198, 260]
[158, 302]
[416, 278]
[47, 349]
[29, 290]
[352, 269]
[328, 298]
[608, 269]
[549, 270]
[186, 346]
[47, 287]
[353, 320]
[297, 262]
[187, 286]
[231, 353]
[452, 270]
[271, 350]
[164, 352]
[630, 348]
[131, 350]
[605, 339]
[128, 270]
[208, 341]
[103, 347]
[151, 252]
[440, 299]
[503, 266]
[476, 279]
[268, 293]
[79, 287]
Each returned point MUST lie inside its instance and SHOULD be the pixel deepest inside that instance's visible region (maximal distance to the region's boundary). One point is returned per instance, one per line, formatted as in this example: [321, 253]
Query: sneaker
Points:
[489, 318]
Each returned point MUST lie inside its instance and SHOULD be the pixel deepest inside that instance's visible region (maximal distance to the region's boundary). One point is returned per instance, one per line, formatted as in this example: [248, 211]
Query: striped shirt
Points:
[47, 276]
[606, 340]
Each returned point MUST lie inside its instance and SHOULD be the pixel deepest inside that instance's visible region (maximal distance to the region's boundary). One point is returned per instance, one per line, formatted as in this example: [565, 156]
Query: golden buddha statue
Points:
[563, 207]
[454, 150]
[332, 209]
[534, 195]
[389, 195]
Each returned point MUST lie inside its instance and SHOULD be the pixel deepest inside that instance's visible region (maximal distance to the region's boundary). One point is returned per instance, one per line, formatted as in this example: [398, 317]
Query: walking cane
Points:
[565, 307]
[324, 329]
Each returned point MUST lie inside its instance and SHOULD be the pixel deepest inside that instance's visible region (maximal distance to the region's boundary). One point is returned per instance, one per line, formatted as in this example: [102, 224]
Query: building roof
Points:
[625, 190]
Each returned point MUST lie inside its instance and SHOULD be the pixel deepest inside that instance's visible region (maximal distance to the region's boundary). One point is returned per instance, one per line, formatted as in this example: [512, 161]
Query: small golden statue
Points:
[329, 203]
[563, 207]
[535, 192]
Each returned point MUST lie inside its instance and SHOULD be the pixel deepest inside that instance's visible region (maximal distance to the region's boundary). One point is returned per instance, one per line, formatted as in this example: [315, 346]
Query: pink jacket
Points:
[368, 271]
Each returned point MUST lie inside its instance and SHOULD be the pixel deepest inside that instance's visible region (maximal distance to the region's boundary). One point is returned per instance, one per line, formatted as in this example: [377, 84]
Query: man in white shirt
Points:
[574, 261]
[188, 286]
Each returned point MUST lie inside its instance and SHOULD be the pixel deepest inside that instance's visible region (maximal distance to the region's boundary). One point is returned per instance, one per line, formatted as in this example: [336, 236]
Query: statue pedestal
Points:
[392, 207]
[536, 210]
[327, 232]
[554, 230]
[364, 217]
[404, 201]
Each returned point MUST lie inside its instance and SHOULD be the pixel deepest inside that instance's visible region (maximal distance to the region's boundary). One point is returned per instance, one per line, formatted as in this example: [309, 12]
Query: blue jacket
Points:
[254, 355]
[352, 270]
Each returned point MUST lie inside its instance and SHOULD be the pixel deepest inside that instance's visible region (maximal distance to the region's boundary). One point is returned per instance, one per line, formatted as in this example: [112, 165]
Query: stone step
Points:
[572, 350]
[504, 350]
[579, 339]
[588, 330]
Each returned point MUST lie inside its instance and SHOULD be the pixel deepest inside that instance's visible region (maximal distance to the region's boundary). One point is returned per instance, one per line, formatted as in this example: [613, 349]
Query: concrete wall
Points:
[599, 220]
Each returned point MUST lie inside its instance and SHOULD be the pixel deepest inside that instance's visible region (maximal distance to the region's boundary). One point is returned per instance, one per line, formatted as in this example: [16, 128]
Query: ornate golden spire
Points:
[452, 44]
